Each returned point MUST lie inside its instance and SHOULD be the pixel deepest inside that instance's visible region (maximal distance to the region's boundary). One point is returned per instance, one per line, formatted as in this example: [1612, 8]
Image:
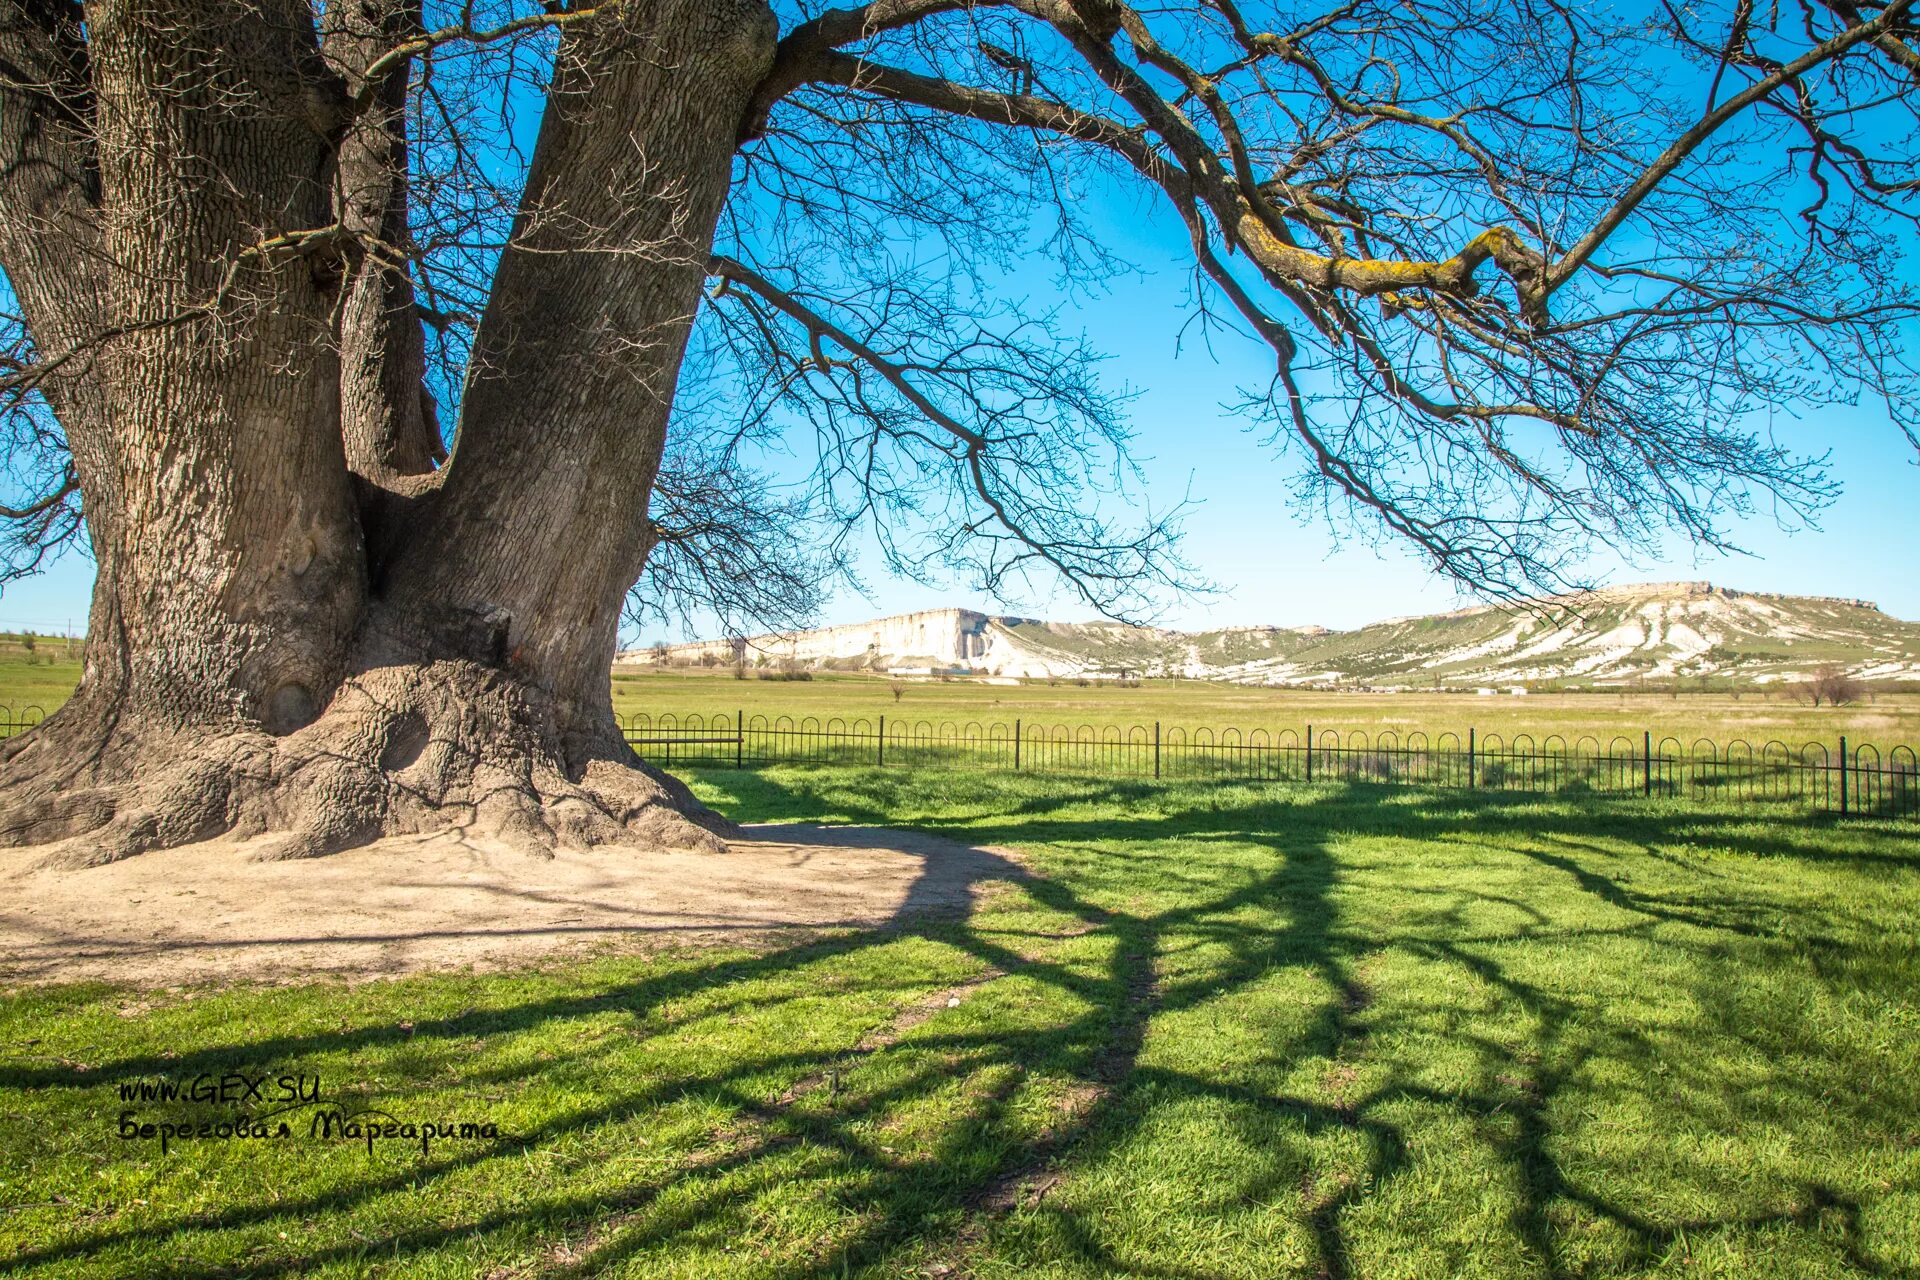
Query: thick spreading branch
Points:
[1263, 142]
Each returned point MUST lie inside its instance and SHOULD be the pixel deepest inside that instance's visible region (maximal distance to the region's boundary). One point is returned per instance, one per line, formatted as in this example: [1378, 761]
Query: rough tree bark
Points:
[388, 420]
[252, 669]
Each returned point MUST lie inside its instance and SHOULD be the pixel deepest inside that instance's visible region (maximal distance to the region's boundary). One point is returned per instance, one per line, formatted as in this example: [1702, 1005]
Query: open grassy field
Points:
[1889, 718]
[1214, 1032]
[1886, 719]
[38, 677]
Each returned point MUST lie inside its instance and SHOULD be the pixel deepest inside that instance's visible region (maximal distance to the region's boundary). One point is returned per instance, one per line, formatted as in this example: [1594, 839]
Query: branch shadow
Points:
[1257, 883]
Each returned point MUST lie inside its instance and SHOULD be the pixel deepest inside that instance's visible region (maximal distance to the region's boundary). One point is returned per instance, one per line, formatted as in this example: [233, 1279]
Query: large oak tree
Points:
[1525, 273]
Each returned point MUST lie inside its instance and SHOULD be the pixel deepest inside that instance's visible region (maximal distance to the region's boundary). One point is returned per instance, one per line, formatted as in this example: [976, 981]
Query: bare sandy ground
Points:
[207, 913]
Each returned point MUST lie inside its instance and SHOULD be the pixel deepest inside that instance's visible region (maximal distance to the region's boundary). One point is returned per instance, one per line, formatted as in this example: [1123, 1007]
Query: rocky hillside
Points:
[1614, 637]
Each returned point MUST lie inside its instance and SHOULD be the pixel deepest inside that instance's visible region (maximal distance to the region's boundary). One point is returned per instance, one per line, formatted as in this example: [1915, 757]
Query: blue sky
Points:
[1280, 566]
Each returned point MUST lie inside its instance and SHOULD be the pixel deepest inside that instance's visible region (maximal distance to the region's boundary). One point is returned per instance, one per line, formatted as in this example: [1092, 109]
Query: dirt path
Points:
[207, 913]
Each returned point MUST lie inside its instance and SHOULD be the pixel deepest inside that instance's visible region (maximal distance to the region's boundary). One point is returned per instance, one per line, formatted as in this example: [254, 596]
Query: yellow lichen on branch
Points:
[1369, 277]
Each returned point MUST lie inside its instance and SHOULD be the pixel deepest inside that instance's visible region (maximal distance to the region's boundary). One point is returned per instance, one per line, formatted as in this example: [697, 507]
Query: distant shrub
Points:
[1833, 686]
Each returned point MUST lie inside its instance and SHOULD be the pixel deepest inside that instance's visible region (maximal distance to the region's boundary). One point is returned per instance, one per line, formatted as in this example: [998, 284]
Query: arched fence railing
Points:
[19, 720]
[1816, 776]
[1865, 780]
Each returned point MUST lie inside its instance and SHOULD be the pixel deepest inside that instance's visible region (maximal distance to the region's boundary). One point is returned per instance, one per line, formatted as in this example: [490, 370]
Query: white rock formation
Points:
[1615, 636]
[933, 639]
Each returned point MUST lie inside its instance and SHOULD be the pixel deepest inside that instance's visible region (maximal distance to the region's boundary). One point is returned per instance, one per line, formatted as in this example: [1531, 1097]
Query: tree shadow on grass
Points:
[1258, 884]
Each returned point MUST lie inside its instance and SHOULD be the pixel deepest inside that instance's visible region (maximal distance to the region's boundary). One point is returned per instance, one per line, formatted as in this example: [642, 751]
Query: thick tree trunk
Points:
[541, 523]
[231, 574]
[240, 572]
[266, 677]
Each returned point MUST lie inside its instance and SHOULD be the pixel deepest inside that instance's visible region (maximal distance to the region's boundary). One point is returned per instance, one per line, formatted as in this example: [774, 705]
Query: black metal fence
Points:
[12, 722]
[1848, 780]
[1815, 776]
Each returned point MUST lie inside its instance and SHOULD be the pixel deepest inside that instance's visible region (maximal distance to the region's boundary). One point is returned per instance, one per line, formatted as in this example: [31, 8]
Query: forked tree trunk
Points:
[251, 667]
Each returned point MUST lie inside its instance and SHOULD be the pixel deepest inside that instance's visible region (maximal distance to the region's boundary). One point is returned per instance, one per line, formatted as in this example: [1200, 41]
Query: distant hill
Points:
[1608, 638]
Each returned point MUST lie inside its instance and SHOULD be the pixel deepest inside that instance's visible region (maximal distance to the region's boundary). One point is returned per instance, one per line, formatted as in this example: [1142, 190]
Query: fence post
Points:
[1156, 750]
[1016, 746]
[1646, 763]
[1309, 751]
[1843, 775]
[880, 757]
[739, 738]
[1473, 752]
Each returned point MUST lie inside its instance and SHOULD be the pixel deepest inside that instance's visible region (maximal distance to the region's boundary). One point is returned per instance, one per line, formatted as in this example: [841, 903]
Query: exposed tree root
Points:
[401, 750]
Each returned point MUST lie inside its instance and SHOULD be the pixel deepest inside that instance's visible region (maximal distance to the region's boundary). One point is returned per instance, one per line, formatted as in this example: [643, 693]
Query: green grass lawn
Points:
[1215, 1032]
